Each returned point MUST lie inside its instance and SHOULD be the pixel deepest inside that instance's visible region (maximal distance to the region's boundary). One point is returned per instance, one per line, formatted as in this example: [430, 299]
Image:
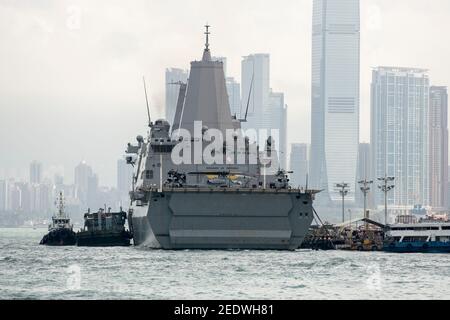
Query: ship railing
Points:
[229, 190]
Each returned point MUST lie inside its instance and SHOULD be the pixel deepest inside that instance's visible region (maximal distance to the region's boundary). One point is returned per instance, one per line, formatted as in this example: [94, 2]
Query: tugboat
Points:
[61, 230]
[104, 229]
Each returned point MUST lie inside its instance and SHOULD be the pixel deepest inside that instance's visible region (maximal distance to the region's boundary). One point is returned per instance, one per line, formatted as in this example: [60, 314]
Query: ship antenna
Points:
[248, 100]
[146, 100]
[60, 204]
[207, 26]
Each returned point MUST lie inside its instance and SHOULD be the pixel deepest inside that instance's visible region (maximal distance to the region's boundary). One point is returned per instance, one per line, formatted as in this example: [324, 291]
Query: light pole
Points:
[386, 186]
[343, 189]
[365, 188]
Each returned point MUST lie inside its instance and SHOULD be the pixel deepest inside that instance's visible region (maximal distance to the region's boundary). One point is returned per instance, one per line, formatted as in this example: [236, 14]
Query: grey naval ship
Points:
[219, 206]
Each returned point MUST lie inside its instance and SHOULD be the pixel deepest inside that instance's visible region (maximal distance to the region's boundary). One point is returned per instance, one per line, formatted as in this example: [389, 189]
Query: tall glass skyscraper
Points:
[335, 95]
[400, 135]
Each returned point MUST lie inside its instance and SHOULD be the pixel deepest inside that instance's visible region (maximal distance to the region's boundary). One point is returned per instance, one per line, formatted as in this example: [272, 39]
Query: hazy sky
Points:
[71, 71]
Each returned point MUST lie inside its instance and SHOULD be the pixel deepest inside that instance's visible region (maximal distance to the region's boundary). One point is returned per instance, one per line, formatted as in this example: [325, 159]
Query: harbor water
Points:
[31, 271]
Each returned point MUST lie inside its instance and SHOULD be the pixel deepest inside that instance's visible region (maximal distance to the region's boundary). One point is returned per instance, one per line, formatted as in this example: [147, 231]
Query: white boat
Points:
[425, 236]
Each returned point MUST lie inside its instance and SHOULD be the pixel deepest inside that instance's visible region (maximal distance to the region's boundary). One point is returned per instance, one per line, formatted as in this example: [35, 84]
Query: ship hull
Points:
[103, 239]
[59, 237]
[224, 219]
[417, 247]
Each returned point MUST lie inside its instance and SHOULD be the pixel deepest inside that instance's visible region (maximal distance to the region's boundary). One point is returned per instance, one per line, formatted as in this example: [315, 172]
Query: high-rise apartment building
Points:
[400, 135]
[438, 147]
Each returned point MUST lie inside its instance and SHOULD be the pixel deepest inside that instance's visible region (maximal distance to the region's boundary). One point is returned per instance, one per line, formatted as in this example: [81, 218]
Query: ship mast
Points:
[146, 100]
[207, 26]
[61, 205]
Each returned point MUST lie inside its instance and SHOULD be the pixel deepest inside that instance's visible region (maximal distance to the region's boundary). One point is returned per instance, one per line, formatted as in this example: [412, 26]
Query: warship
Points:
[242, 200]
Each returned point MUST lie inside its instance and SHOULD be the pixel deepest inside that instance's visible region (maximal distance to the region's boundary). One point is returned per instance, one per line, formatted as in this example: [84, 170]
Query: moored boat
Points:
[104, 229]
[423, 237]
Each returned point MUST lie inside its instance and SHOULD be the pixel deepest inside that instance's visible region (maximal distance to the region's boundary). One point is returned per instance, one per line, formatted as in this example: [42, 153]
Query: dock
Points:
[356, 235]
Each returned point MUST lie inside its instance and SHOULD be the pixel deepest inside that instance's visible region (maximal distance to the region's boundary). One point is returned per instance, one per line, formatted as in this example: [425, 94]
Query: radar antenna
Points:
[146, 100]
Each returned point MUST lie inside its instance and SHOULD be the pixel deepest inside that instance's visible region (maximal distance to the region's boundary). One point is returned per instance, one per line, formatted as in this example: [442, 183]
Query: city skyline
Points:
[112, 100]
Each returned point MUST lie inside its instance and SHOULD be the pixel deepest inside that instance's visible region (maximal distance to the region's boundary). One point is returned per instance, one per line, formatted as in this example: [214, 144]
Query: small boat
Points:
[104, 229]
[61, 230]
[422, 237]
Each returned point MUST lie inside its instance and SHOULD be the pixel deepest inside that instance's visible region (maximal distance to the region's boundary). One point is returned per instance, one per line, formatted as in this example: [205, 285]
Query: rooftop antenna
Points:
[146, 100]
[207, 26]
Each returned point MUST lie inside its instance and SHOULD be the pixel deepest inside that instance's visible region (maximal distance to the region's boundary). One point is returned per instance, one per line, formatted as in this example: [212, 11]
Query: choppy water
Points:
[30, 271]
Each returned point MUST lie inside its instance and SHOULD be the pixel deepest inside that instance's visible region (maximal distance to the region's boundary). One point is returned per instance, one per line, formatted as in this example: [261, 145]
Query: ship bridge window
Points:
[162, 148]
[415, 239]
[148, 174]
[446, 228]
[425, 228]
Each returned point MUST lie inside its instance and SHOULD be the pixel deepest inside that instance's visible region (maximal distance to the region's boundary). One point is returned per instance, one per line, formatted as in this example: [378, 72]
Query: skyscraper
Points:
[255, 75]
[35, 172]
[25, 196]
[3, 195]
[298, 164]
[124, 176]
[266, 109]
[173, 76]
[234, 96]
[335, 95]
[92, 192]
[438, 147]
[275, 117]
[82, 174]
[400, 135]
[14, 196]
[45, 198]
